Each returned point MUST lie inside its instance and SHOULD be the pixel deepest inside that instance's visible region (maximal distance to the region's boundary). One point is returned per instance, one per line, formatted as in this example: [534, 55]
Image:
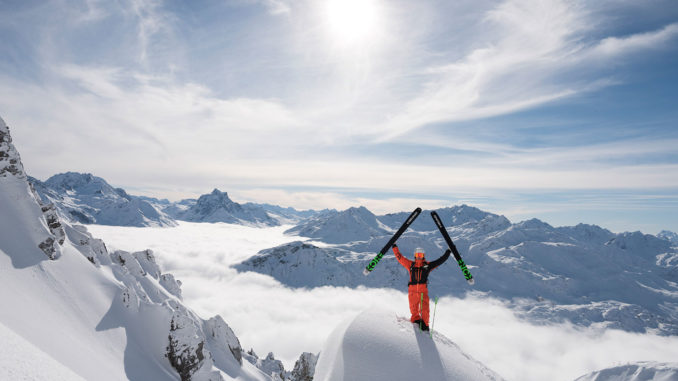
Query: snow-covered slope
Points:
[584, 274]
[21, 360]
[641, 371]
[88, 199]
[93, 314]
[218, 207]
[379, 346]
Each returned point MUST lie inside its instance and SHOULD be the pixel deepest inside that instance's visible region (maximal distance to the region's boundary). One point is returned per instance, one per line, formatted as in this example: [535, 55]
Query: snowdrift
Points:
[377, 345]
[641, 371]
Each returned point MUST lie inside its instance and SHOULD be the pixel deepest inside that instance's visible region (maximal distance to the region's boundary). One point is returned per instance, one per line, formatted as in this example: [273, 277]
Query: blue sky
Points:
[561, 110]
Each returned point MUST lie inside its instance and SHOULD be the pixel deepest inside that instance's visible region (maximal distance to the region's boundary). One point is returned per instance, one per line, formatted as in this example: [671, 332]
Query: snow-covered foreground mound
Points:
[378, 345]
[641, 371]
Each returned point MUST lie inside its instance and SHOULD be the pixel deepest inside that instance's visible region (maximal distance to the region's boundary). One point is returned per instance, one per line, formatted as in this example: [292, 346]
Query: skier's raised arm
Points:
[440, 260]
[401, 259]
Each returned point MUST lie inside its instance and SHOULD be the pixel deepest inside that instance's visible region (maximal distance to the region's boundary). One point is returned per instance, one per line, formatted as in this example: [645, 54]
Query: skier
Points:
[417, 286]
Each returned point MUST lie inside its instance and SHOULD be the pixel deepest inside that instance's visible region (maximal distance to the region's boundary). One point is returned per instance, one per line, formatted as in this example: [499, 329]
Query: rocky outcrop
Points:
[304, 368]
[269, 365]
[91, 248]
[186, 350]
[10, 162]
[219, 333]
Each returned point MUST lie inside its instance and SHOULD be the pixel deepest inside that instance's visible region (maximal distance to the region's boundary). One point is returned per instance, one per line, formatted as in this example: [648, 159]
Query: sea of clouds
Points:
[268, 316]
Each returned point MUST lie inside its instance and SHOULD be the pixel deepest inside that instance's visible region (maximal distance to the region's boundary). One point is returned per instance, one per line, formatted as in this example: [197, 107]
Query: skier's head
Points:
[419, 253]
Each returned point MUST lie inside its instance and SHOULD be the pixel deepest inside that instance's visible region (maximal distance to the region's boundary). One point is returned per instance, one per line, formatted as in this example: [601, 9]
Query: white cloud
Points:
[615, 46]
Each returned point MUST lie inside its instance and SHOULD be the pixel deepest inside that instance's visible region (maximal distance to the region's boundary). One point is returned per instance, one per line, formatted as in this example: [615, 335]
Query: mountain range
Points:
[583, 274]
[88, 199]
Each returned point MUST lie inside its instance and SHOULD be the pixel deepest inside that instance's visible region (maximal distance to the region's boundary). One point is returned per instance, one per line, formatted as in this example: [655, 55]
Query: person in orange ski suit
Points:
[417, 290]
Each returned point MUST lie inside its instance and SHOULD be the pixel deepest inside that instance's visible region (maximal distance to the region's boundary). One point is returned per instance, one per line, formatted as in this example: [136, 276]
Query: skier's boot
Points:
[424, 327]
[419, 323]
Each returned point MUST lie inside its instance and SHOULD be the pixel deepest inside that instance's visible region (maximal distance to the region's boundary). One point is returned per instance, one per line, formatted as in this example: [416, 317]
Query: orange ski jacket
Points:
[419, 269]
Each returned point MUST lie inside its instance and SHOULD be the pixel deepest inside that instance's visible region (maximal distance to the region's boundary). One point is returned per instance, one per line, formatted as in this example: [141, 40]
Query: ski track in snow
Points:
[268, 316]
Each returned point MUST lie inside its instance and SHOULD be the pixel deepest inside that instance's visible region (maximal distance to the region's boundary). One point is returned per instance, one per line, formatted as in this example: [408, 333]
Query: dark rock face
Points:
[184, 358]
[10, 162]
[304, 368]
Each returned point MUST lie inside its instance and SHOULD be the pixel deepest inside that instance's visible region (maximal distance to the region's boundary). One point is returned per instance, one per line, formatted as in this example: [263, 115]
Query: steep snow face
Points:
[377, 345]
[641, 371]
[84, 198]
[218, 207]
[353, 224]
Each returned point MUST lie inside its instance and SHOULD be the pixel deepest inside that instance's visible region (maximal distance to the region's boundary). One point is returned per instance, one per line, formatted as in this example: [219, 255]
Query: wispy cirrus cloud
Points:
[532, 53]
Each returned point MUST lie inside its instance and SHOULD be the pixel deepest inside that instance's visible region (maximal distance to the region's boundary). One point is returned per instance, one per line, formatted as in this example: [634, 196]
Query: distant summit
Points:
[218, 207]
[353, 224]
[88, 199]
[669, 236]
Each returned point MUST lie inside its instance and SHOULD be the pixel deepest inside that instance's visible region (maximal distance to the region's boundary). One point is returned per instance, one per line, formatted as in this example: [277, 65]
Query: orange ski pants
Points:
[419, 303]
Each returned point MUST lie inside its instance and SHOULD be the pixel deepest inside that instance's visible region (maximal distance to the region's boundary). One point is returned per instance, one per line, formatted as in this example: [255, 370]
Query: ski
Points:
[446, 236]
[393, 239]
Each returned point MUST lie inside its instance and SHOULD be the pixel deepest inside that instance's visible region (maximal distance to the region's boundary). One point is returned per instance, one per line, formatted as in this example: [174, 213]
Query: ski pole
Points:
[434, 316]
[421, 315]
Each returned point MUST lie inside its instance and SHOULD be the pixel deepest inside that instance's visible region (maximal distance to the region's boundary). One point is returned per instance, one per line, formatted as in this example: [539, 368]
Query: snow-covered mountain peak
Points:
[352, 224]
[85, 198]
[669, 236]
[460, 214]
[533, 224]
[637, 242]
[218, 207]
[587, 233]
[75, 181]
[378, 346]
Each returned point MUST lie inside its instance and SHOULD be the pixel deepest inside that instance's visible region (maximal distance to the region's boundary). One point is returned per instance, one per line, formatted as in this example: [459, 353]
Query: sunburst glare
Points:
[352, 22]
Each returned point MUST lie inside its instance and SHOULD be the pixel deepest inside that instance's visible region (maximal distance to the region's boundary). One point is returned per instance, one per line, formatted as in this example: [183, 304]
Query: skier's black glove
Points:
[394, 245]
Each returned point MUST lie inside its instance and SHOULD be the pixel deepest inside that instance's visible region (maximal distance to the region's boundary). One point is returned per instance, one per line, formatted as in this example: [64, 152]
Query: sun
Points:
[352, 21]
